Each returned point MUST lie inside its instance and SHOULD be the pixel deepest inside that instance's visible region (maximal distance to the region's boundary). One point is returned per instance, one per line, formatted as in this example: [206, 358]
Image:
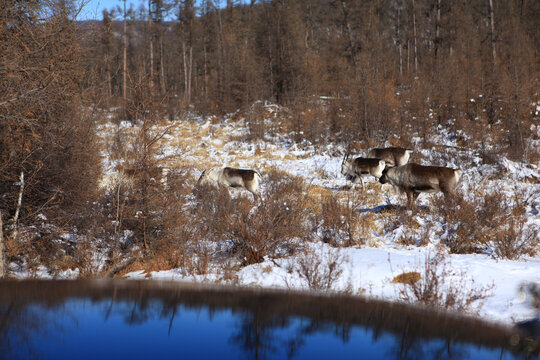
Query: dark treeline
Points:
[385, 64]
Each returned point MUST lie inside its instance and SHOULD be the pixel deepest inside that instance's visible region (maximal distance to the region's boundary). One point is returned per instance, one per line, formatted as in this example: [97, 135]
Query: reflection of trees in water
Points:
[266, 325]
[407, 346]
[21, 325]
[141, 311]
[260, 336]
[255, 337]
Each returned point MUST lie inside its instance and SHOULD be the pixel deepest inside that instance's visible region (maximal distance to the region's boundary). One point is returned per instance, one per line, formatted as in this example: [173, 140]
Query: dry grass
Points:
[407, 278]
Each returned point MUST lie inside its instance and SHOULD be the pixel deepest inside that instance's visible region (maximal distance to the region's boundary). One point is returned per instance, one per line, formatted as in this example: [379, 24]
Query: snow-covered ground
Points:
[370, 268]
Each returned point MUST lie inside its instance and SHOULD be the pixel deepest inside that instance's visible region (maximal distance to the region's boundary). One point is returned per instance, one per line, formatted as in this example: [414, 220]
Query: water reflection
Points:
[56, 320]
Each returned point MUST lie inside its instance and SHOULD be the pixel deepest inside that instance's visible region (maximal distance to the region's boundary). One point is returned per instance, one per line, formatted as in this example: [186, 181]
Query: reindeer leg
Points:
[354, 182]
[256, 196]
[411, 198]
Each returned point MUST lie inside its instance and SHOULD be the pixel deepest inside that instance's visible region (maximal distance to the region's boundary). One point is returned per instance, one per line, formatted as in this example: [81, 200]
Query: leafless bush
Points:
[272, 227]
[319, 272]
[440, 286]
[255, 122]
[515, 239]
[305, 121]
[182, 230]
[413, 234]
[465, 230]
[489, 222]
[199, 258]
[170, 251]
[260, 229]
[214, 210]
[341, 224]
[86, 258]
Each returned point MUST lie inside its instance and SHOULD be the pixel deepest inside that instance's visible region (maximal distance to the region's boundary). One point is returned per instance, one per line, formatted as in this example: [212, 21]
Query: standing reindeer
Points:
[393, 156]
[357, 169]
[414, 179]
[232, 177]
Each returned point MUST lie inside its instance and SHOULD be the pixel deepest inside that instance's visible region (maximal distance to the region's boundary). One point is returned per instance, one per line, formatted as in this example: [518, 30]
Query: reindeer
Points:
[414, 179]
[393, 156]
[232, 177]
[355, 169]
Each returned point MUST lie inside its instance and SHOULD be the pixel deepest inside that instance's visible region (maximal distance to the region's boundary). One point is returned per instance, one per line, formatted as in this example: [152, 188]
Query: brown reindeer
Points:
[232, 177]
[414, 179]
[358, 168]
[393, 156]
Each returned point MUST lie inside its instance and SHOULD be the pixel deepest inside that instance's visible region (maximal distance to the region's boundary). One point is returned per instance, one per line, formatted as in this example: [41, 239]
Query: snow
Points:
[369, 269]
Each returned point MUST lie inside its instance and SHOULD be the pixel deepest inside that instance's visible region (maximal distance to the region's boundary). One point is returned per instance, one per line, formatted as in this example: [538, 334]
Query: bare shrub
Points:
[170, 251]
[319, 272]
[412, 234]
[215, 210]
[305, 122]
[255, 122]
[440, 286]
[182, 232]
[515, 238]
[490, 222]
[465, 229]
[272, 227]
[340, 222]
[268, 228]
[88, 256]
[199, 258]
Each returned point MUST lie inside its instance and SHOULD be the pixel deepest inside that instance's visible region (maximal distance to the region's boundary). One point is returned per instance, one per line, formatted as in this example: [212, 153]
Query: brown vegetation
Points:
[489, 222]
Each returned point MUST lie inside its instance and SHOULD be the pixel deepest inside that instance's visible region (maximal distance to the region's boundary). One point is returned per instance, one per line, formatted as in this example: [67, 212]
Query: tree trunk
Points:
[414, 35]
[124, 68]
[491, 110]
[492, 32]
[3, 267]
[19, 204]
[400, 46]
[352, 45]
[437, 47]
[438, 30]
[187, 71]
[151, 50]
[109, 83]
[162, 65]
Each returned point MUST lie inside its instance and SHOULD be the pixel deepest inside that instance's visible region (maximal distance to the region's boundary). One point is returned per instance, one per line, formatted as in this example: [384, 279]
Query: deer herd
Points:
[388, 165]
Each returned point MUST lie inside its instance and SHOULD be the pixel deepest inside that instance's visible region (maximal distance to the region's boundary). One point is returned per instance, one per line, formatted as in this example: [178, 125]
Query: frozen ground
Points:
[368, 269]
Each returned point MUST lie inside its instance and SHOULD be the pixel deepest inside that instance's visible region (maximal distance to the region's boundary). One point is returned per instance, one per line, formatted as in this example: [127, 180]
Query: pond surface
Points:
[147, 320]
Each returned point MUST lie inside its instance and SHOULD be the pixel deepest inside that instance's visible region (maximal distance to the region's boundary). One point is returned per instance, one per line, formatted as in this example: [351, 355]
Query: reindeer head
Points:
[384, 179]
[346, 165]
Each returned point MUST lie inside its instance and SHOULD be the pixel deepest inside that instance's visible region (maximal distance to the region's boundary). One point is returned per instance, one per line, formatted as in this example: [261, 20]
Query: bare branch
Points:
[22, 96]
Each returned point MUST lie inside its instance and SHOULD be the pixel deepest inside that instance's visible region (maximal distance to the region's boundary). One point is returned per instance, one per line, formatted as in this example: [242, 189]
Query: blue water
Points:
[82, 329]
